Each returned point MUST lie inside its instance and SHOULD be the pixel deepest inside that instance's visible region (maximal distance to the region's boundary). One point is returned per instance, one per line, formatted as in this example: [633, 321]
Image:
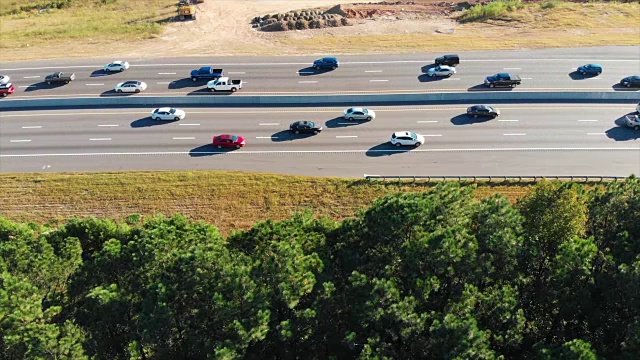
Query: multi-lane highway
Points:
[540, 70]
[560, 139]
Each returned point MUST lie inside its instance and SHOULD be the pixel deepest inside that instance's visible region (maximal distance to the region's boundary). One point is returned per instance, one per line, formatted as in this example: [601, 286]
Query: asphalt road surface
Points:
[540, 70]
[525, 140]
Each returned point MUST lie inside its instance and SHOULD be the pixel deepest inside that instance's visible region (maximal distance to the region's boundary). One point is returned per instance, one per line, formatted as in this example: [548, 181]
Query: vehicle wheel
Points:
[66, 81]
[637, 127]
[297, 132]
[315, 132]
[176, 118]
[334, 67]
[475, 116]
[368, 118]
[137, 91]
[121, 69]
[4, 94]
[599, 72]
[237, 146]
[234, 89]
[315, 67]
[513, 85]
[212, 89]
[492, 85]
[154, 118]
[450, 74]
[194, 79]
[350, 119]
[418, 144]
[219, 146]
[49, 82]
[398, 144]
[119, 90]
[628, 85]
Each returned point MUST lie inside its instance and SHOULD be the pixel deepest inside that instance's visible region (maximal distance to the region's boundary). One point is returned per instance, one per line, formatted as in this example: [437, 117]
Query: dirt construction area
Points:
[224, 27]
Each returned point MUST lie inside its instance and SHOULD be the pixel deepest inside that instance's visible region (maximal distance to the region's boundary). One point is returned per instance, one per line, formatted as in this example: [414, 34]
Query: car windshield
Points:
[311, 124]
[413, 135]
[234, 138]
[172, 111]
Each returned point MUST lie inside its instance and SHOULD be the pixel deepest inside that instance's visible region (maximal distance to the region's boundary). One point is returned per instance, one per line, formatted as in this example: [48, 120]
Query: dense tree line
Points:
[433, 275]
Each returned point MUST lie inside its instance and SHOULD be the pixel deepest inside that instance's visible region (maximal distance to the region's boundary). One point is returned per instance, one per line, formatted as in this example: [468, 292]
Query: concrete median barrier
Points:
[137, 101]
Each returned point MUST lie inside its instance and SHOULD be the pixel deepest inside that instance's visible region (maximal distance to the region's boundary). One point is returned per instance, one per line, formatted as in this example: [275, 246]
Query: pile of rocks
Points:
[300, 20]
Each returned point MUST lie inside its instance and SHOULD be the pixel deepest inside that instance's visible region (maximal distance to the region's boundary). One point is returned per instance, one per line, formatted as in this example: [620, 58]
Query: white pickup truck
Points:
[633, 121]
[224, 84]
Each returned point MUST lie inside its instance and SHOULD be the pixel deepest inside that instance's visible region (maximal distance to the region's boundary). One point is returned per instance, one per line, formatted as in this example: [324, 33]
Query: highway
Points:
[542, 70]
[559, 139]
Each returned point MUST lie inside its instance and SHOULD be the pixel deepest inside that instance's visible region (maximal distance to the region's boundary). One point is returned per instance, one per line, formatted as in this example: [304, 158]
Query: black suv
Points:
[450, 60]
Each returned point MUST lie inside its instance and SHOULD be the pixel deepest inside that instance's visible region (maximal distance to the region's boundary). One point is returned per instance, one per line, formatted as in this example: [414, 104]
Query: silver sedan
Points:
[359, 114]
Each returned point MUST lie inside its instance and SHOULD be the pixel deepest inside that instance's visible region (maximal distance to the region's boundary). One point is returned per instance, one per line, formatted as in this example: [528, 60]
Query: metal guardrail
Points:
[495, 178]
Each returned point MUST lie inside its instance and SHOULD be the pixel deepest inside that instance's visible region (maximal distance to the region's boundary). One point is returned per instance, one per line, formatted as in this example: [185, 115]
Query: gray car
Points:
[359, 114]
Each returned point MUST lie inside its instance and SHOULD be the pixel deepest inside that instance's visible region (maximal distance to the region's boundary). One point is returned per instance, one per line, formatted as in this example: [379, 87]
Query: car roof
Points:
[163, 109]
[132, 82]
[118, 62]
[331, 58]
[357, 109]
[402, 133]
[227, 136]
[594, 65]
[481, 106]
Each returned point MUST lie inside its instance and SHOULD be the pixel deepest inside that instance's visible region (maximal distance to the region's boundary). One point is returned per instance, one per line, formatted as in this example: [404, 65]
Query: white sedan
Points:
[4, 79]
[406, 138]
[167, 113]
[441, 70]
[359, 114]
[133, 86]
[116, 66]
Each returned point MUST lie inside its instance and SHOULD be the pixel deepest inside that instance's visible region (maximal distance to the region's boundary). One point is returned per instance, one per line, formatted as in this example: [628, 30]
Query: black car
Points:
[326, 63]
[450, 60]
[483, 110]
[305, 127]
[631, 81]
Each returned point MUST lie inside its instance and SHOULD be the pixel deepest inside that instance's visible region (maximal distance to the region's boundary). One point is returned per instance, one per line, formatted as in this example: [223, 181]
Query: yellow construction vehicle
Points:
[186, 9]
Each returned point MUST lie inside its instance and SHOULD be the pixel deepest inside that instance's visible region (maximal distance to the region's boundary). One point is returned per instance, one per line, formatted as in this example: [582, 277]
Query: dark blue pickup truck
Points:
[206, 73]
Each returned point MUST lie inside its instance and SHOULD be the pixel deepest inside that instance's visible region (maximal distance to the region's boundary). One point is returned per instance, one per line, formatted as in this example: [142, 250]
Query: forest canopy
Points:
[432, 275]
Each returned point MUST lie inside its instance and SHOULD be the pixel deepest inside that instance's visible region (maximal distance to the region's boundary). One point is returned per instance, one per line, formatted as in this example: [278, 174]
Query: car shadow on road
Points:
[148, 122]
[386, 149]
[99, 73]
[339, 122]
[114, 93]
[206, 91]
[620, 133]
[310, 71]
[464, 119]
[574, 75]
[185, 83]
[209, 150]
[286, 135]
[483, 87]
[43, 86]
[618, 87]
[427, 78]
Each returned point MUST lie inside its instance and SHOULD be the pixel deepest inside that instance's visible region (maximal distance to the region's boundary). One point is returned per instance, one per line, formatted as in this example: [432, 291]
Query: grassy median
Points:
[230, 200]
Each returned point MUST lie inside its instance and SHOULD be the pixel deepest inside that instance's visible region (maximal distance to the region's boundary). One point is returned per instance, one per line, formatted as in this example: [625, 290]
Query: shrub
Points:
[491, 10]
[291, 25]
[345, 22]
[333, 23]
[549, 4]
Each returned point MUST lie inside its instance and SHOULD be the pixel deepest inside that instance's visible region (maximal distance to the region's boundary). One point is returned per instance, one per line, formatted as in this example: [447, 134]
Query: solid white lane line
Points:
[588, 120]
[431, 135]
[32, 127]
[94, 84]
[108, 125]
[184, 138]
[520, 134]
[266, 137]
[236, 72]
[19, 141]
[509, 120]
[268, 124]
[166, 73]
[307, 82]
[596, 134]
[373, 71]
[346, 136]
[378, 80]
[427, 121]
[511, 68]
[100, 139]
[266, 152]
[164, 82]
[31, 77]
[189, 124]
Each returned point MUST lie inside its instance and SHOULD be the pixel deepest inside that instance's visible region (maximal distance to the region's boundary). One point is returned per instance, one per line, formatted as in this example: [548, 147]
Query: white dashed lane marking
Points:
[189, 124]
[373, 71]
[108, 125]
[512, 68]
[504, 120]
[427, 121]
[266, 137]
[588, 120]
[268, 124]
[19, 141]
[100, 139]
[32, 127]
[307, 82]
[26, 86]
[378, 80]
[94, 84]
[31, 77]
[514, 134]
[431, 135]
[346, 136]
[236, 72]
[596, 134]
[166, 73]
[184, 138]
[164, 82]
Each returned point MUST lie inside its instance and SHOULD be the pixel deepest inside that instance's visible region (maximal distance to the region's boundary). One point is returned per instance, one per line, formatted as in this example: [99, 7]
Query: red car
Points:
[6, 89]
[228, 141]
